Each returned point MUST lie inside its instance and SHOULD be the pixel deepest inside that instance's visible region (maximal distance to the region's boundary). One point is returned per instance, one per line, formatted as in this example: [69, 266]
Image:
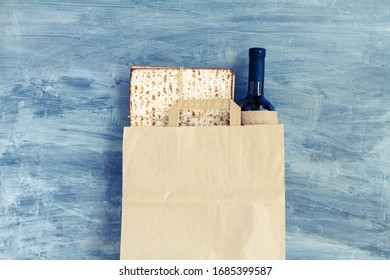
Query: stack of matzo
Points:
[154, 90]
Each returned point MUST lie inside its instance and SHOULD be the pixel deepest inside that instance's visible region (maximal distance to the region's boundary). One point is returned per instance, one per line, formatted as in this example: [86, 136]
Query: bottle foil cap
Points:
[257, 52]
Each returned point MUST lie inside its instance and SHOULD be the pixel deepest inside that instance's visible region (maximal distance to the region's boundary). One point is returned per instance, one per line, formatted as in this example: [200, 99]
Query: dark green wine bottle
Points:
[255, 100]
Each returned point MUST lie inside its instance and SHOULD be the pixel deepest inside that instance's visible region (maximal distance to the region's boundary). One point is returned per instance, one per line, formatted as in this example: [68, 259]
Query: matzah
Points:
[154, 90]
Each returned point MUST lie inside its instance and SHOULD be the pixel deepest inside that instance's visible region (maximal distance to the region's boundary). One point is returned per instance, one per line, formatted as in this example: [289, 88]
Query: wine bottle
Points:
[255, 99]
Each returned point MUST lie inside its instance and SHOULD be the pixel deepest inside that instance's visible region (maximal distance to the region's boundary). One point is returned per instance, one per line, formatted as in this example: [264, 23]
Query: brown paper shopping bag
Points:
[203, 192]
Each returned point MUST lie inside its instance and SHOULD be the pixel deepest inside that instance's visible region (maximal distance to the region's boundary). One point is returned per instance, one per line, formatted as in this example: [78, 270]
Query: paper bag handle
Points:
[204, 104]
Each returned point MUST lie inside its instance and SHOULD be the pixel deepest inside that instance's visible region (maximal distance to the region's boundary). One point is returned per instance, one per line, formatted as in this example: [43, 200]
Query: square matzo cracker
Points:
[153, 90]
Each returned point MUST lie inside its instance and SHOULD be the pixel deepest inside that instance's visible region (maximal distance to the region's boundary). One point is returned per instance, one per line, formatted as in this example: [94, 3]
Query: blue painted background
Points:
[64, 77]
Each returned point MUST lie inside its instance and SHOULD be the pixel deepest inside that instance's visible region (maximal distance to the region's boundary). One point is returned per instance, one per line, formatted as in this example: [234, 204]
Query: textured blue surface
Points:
[64, 71]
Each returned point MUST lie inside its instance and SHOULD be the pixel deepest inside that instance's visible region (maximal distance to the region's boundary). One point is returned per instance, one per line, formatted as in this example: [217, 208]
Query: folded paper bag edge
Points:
[204, 104]
[259, 117]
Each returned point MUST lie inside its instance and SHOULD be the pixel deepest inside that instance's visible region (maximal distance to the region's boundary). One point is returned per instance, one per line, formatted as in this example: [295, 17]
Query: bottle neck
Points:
[256, 73]
[256, 88]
